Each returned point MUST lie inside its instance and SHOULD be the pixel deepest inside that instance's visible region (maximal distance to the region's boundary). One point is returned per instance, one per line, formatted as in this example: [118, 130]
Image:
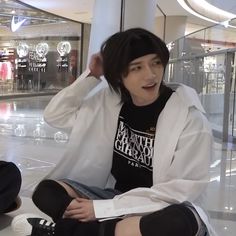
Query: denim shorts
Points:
[91, 192]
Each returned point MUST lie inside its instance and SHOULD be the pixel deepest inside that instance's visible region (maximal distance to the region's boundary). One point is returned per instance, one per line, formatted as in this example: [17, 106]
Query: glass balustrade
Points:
[205, 60]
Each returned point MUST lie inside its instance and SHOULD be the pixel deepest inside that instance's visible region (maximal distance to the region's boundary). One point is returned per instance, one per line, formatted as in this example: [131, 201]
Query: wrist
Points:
[94, 75]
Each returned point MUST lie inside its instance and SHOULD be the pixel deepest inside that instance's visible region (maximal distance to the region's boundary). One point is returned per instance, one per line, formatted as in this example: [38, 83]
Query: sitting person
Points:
[9, 187]
[137, 162]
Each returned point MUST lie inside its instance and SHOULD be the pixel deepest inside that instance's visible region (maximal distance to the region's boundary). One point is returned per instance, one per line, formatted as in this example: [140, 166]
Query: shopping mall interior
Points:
[45, 45]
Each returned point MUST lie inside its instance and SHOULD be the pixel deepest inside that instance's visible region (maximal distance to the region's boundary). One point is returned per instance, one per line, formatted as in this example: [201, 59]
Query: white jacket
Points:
[182, 149]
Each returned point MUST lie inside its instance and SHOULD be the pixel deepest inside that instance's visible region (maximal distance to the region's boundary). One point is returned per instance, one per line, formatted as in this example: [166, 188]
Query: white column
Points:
[140, 13]
[106, 21]
[107, 14]
[174, 28]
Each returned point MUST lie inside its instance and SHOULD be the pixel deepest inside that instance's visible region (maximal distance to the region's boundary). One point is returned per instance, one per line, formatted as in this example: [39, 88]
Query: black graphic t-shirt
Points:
[134, 143]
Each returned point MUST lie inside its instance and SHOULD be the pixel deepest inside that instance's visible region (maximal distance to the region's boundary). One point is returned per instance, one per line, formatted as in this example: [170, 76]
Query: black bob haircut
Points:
[123, 47]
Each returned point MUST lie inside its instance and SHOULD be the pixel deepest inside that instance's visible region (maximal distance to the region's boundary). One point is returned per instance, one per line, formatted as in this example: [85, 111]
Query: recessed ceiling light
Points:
[202, 4]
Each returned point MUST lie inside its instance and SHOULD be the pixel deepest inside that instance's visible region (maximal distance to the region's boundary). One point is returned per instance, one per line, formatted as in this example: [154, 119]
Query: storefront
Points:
[43, 54]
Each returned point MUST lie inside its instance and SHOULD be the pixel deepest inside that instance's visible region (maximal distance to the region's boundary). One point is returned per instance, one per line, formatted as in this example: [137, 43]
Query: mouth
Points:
[149, 86]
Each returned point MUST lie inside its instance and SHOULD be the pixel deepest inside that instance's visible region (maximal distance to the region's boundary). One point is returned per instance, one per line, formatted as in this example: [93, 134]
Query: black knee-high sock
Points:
[72, 227]
[51, 198]
[174, 220]
[107, 227]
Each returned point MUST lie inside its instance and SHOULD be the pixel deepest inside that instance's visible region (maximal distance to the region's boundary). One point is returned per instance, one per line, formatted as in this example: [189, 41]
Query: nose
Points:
[150, 73]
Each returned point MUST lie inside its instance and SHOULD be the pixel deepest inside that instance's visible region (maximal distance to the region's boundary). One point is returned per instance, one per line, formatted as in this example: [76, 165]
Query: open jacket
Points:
[182, 148]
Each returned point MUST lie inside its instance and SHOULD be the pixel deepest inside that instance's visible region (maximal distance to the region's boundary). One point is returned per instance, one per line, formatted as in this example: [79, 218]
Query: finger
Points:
[79, 216]
[73, 212]
[80, 199]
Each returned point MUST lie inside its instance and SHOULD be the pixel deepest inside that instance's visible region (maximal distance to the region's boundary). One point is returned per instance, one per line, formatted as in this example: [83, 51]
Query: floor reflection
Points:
[35, 147]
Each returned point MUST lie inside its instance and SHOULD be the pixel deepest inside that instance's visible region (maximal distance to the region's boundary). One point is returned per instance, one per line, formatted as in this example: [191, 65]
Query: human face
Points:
[144, 79]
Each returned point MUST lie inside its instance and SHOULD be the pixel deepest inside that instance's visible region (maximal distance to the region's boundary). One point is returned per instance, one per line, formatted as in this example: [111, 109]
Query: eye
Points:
[134, 68]
[157, 62]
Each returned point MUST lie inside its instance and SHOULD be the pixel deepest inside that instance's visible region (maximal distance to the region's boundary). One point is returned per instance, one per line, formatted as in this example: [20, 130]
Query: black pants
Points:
[10, 183]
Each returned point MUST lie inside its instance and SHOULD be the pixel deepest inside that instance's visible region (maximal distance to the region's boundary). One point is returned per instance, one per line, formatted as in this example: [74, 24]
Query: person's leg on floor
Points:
[65, 227]
[30, 225]
[173, 220]
[51, 198]
[10, 184]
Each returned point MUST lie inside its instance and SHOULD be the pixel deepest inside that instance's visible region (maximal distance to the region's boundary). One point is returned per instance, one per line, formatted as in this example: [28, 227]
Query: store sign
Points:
[63, 48]
[37, 63]
[16, 25]
[22, 49]
[42, 49]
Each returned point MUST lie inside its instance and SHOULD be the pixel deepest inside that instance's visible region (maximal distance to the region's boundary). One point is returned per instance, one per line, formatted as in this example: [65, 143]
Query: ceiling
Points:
[227, 5]
[10, 8]
[82, 10]
[78, 10]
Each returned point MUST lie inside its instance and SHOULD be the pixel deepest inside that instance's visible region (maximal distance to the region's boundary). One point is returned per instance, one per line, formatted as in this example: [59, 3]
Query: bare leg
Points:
[125, 227]
[71, 193]
[128, 227]
[68, 189]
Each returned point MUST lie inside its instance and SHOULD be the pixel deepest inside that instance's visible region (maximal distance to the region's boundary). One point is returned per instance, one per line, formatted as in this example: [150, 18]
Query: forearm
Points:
[61, 110]
[128, 203]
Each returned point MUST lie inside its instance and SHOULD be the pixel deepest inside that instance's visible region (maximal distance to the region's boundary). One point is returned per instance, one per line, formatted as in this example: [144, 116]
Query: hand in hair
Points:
[95, 65]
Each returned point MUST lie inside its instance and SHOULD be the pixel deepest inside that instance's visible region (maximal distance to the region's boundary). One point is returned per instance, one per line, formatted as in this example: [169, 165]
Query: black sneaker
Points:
[41, 227]
[31, 224]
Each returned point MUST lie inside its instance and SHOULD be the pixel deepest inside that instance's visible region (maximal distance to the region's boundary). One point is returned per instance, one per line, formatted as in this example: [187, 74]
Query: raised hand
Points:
[95, 65]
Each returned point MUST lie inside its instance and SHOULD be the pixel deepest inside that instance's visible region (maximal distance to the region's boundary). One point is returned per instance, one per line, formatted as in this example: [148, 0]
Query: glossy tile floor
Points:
[36, 148]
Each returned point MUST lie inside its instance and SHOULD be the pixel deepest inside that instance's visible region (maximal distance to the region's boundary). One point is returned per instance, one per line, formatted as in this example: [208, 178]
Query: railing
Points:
[205, 60]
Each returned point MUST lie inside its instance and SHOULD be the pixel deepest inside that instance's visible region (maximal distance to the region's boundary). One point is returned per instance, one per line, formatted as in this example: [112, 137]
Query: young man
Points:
[10, 184]
[139, 150]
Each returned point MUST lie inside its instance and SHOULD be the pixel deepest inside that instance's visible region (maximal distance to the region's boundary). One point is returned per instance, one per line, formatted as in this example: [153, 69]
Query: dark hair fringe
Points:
[116, 56]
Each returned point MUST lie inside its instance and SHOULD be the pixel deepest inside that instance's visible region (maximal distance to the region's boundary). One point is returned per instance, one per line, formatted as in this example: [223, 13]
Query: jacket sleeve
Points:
[184, 178]
[62, 110]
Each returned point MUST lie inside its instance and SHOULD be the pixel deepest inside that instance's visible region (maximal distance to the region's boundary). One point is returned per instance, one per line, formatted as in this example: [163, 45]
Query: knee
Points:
[48, 191]
[43, 190]
[179, 216]
[51, 198]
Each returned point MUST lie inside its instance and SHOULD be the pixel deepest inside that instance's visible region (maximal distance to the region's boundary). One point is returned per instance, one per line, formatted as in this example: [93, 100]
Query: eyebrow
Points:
[138, 62]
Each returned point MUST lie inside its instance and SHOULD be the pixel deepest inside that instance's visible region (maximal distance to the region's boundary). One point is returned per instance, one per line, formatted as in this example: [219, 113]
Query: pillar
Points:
[173, 27]
[107, 17]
